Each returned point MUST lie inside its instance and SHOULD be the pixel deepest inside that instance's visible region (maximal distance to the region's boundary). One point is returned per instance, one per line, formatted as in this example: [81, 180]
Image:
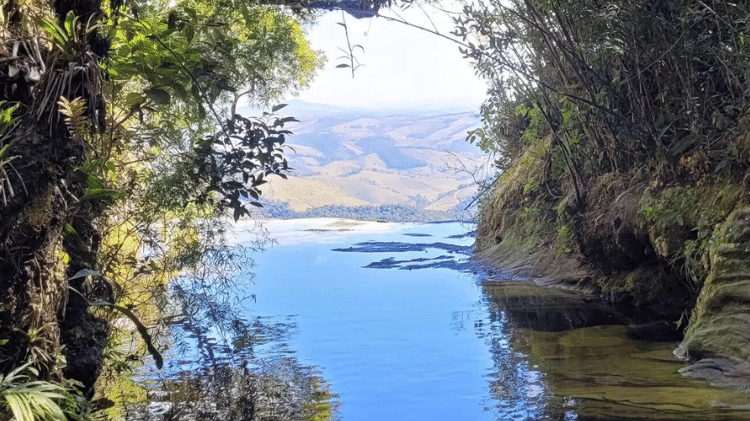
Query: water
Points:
[392, 321]
[392, 343]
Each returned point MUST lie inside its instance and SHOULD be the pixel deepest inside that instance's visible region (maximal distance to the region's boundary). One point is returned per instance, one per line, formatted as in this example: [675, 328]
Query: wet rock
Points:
[601, 373]
[719, 334]
[721, 372]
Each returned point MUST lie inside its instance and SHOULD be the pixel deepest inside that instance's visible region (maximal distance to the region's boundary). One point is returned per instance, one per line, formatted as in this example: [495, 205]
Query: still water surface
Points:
[393, 322]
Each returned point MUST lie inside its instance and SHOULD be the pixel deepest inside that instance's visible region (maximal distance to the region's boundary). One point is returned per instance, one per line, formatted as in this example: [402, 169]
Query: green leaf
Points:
[134, 98]
[158, 95]
[278, 107]
[189, 33]
[71, 21]
[101, 194]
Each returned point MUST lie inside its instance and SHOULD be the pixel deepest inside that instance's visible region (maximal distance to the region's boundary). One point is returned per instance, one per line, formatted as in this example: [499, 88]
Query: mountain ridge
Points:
[370, 158]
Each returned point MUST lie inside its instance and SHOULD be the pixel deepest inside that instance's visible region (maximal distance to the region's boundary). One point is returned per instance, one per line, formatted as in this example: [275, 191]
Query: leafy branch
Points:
[142, 330]
[353, 63]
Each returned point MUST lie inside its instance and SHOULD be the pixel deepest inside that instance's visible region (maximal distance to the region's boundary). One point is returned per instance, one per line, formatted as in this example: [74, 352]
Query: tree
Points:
[121, 152]
[634, 79]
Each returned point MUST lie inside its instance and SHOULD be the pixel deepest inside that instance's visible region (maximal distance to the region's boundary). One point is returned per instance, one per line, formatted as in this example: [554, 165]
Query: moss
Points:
[680, 221]
[626, 283]
[646, 285]
[564, 243]
[718, 326]
[515, 211]
[39, 212]
[697, 207]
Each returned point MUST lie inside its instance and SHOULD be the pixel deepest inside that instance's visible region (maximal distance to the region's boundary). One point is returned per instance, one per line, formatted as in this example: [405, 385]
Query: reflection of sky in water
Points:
[418, 344]
[387, 340]
[394, 319]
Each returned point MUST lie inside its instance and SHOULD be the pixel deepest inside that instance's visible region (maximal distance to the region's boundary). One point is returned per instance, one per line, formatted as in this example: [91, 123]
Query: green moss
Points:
[618, 284]
[719, 322]
[564, 243]
[527, 226]
[514, 212]
[697, 207]
[680, 221]
[645, 284]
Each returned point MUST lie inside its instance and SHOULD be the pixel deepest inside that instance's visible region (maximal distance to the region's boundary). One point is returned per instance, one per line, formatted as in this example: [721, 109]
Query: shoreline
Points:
[309, 230]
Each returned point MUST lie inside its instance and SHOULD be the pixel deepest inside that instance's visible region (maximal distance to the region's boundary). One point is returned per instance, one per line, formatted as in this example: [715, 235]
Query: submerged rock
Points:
[601, 373]
[721, 372]
[602, 361]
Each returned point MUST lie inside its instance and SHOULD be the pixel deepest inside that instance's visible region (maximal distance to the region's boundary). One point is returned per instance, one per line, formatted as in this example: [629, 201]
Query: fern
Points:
[74, 112]
[27, 399]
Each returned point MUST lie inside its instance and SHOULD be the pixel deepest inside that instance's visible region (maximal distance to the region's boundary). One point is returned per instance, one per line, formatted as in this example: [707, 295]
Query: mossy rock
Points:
[720, 326]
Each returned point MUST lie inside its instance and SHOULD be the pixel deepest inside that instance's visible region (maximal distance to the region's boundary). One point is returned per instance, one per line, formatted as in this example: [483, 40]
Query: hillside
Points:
[364, 158]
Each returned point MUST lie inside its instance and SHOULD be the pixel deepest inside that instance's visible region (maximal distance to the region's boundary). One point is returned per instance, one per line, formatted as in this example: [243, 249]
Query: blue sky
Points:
[403, 67]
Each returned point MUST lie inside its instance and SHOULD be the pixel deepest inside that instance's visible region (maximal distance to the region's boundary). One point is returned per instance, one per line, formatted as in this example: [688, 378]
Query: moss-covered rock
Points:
[720, 324]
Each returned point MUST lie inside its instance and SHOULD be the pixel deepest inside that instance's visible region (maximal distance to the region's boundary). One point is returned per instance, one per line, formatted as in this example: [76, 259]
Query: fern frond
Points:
[74, 112]
[29, 399]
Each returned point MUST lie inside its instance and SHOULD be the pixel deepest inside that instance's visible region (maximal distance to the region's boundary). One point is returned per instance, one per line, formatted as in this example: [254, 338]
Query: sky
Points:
[403, 67]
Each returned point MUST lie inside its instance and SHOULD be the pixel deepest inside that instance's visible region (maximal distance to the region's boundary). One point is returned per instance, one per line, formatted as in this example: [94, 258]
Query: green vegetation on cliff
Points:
[120, 159]
[620, 129]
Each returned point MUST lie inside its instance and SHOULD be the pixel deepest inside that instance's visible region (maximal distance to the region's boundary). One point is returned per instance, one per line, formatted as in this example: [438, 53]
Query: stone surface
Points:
[718, 338]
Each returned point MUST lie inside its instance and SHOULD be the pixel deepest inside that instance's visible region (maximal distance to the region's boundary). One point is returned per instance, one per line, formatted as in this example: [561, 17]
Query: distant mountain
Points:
[371, 158]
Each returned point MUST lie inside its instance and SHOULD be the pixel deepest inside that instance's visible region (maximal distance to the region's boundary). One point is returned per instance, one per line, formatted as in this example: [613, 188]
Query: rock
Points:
[718, 338]
[721, 372]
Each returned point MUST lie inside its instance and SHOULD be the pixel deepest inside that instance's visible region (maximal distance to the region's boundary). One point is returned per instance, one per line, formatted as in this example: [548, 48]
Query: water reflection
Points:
[288, 391]
[517, 387]
[213, 372]
[433, 342]
[593, 361]
[555, 310]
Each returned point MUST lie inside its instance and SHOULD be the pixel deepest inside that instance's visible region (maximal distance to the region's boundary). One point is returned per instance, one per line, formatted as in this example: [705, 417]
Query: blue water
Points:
[392, 343]
[392, 319]
[395, 322]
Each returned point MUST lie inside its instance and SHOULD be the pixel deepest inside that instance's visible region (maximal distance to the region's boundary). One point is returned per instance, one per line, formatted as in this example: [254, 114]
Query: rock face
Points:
[670, 250]
[719, 334]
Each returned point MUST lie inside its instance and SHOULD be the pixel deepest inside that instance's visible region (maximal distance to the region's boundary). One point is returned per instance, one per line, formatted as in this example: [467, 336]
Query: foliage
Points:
[127, 135]
[74, 112]
[24, 398]
[644, 107]
[631, 80]
[350, 60]
[6, 124]
[248, 150]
